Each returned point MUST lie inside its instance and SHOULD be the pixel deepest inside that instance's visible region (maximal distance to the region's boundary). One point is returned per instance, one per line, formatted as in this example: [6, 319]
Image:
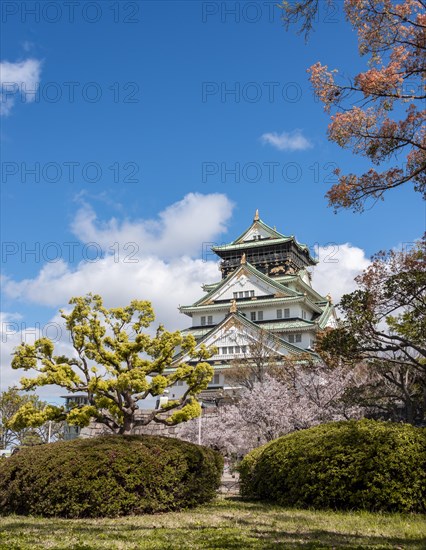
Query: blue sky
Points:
[153, 103]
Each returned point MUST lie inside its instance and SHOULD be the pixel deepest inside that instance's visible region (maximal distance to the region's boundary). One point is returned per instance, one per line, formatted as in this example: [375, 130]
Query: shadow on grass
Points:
[230, 523]
[243, 534]
[318, 539]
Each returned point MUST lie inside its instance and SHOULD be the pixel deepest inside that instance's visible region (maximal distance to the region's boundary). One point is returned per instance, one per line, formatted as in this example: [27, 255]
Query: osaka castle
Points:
[265, 290]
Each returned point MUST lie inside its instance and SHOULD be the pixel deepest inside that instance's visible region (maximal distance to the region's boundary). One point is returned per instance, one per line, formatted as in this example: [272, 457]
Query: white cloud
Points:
[162, 272]
[18, 79]
[338, 266]
[11, 336]
[166, 284]
[180, 230]
[14, 331]
[287, 141]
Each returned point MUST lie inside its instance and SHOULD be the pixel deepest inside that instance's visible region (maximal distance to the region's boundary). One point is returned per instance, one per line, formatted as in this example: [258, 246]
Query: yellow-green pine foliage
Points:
[117, 363]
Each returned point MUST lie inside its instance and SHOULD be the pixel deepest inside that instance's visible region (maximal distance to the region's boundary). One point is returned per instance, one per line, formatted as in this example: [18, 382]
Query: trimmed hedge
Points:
[108, 476]
[364, 464]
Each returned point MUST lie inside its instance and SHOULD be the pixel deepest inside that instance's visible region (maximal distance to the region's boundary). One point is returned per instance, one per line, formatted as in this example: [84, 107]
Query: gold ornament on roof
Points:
[256, 216]
[233, 308]
[243, 259]
[329, 298]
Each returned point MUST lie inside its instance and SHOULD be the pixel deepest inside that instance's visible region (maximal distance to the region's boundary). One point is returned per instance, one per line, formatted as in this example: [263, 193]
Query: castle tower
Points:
[264, 295]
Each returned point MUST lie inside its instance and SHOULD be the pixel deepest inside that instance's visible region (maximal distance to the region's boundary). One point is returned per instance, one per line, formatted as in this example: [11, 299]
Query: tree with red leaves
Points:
[380, 113]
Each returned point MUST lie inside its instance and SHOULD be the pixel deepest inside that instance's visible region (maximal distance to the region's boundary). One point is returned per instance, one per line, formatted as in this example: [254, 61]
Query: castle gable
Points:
[257, 231]
[236, 335]
[246, 283]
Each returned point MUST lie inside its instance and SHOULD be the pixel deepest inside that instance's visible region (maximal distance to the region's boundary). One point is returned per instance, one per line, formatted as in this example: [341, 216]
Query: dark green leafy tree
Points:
[384, 328]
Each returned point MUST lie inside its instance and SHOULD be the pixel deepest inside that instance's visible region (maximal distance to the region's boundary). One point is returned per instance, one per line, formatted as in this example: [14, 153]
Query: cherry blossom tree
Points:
[379, 114]
[257, 415]
[257, 360]
[302, 397]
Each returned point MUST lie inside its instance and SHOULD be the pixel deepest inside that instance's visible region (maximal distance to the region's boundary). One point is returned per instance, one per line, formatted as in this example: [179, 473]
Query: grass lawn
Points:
[226, 523]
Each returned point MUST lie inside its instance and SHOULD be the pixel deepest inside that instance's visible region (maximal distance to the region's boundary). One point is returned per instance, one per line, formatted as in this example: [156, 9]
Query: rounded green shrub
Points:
[351, 465]
[108, 476]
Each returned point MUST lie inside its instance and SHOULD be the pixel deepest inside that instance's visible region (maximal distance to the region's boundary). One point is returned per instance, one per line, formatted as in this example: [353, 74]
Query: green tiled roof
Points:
[273, 325]
[325, 316]
[250, 303]
[287, 345]
[277, 238]
[283, 279]
[255, 272]
[290, 347]
[196, 332]
[276, 234]
[286, 278]
[284, 343]
[210, 286]
[253, 303]
[289, 325]
[251, 244]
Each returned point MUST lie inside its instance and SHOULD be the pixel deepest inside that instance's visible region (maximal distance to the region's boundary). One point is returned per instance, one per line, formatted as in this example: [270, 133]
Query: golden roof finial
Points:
[243, 258]
[233, 308]
[329, 298]
[256, 216]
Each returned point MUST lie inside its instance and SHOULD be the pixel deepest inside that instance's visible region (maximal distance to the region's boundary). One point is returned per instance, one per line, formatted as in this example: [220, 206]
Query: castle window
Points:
[291, 338]
[298, 337]
[216, 379]
[246, 293]
[252, 293]
[286, 313]
[303, 314]
[237, 349]
[203, 320]
[210, 320]
[230, 350]
[253, 316]
[260, 315]
[241, 295]
[279, 313]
